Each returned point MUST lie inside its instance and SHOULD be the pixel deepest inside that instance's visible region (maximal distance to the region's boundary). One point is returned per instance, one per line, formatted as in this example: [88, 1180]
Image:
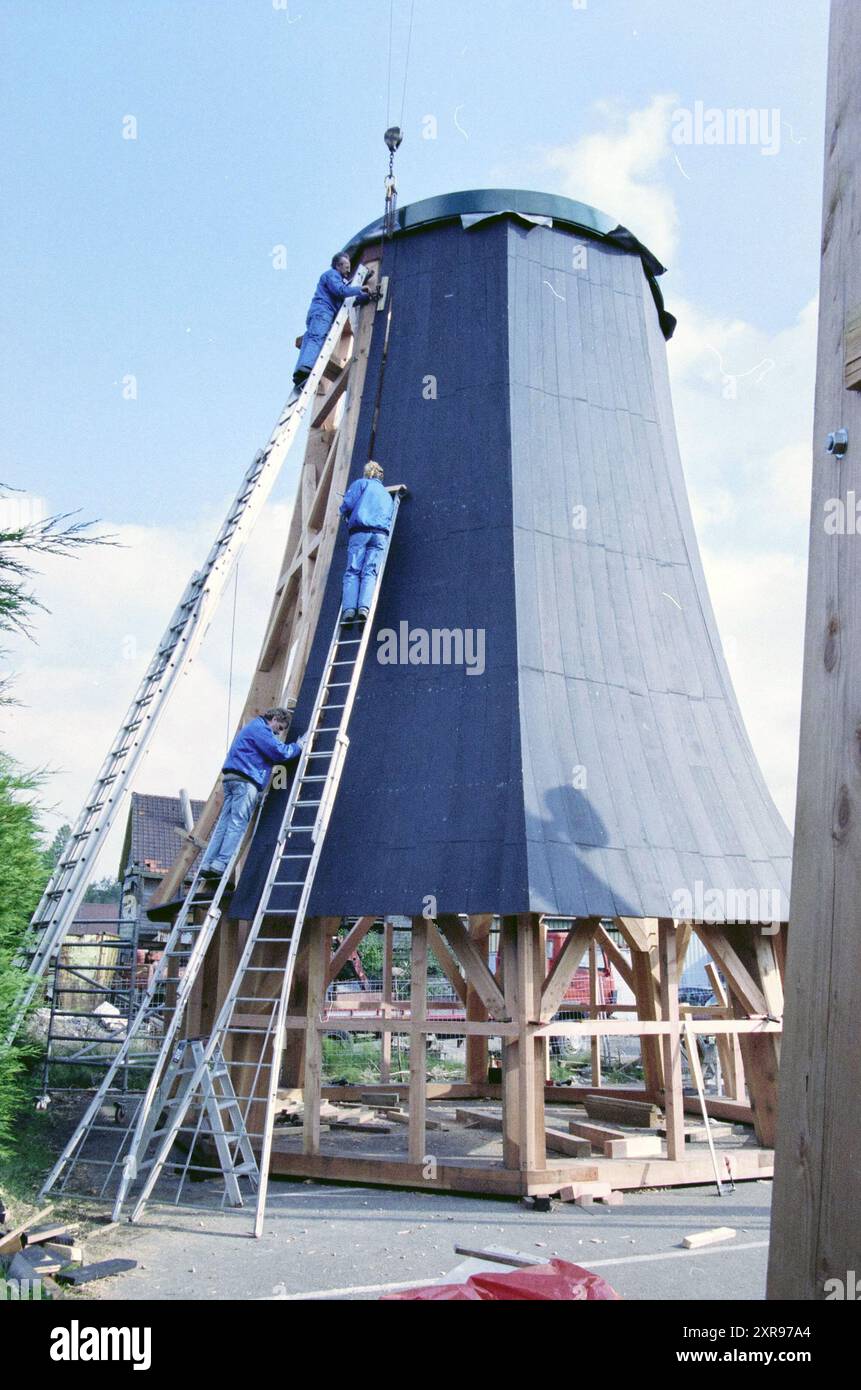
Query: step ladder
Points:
[67, 885]
[257, 1021]
[219, 1120]
[97, 1153]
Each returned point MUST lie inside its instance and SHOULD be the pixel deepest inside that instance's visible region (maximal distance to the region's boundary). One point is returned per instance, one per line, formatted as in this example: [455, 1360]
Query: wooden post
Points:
[530, 978]
[418, 1041]
[816, 1212]
[641, 936]
[674, 1108]
[593, 1000]
[510, 1046]
[386, 1037]
[746, 956]
[318, 930]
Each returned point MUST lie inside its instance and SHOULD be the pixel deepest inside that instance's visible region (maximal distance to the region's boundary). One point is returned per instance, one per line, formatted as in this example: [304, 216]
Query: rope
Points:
[389, 81]
[407, 62]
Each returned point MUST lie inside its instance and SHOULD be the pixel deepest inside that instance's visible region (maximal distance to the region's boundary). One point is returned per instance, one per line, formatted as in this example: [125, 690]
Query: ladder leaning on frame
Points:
[177, 1084]
[297, 853]
[68, 883]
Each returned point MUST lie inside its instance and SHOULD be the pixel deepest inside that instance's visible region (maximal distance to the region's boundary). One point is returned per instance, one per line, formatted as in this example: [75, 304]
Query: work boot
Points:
[349, 615]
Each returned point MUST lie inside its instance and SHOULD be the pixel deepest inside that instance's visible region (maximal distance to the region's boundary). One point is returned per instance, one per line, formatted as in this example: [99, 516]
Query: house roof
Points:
[94, 919]
[153, 832]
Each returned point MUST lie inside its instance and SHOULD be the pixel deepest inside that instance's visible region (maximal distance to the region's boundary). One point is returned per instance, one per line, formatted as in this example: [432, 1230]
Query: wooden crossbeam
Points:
[339, 386]
[562, 972]
[617, 960]
[447, 963]
[474, 967]
[739, 978]
[355, 936]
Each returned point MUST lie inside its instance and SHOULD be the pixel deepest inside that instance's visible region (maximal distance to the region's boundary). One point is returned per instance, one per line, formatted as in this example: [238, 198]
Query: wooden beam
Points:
[671, 1045]
[475, 968]
[318, 929]
[739, 978]
[337, 390]
[531, 964]
[417, 1140]
[642, 937]
[510, 1046]
[291, 627]
[477, 1053]
[569, 958]
[388, 961]
[759, 1047]
[355, 936]
[617, 960]
[447, 963]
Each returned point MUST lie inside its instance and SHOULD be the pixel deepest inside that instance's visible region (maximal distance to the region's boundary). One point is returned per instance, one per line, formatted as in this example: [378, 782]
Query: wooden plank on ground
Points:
[633, 1148]
[599, 1135]
[712, 1237]
[563, 1143]
[642, 1114]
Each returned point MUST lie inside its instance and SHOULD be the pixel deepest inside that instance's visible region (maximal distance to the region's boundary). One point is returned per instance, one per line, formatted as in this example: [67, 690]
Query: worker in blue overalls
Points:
[368, 510]
[257, 748]
[333, 288]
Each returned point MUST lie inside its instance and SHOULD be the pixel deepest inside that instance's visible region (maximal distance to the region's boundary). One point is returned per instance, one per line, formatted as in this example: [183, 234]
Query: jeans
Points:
[240, 798]
[365, 550]
[316, 328]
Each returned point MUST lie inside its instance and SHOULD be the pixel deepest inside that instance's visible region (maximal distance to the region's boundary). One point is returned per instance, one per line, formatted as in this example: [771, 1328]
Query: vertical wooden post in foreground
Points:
[388, 961]
[418, 1041]
[671, 1044]
[816, 1212]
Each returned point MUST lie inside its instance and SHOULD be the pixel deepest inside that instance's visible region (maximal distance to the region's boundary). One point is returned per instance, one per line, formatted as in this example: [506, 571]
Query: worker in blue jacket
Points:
[257, 748]
[333, 288]
[368, 509]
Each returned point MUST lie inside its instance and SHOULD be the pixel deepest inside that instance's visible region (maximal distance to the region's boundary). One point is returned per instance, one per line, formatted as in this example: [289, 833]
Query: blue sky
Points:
[260, 126]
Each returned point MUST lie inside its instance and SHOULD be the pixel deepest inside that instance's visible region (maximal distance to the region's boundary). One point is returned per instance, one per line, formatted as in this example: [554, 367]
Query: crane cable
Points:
[394, 133]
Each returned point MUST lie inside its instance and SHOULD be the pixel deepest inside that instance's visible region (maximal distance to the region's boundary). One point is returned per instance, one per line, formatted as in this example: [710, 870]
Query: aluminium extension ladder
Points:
[98, 1152]
[290, 878]
[68, 883]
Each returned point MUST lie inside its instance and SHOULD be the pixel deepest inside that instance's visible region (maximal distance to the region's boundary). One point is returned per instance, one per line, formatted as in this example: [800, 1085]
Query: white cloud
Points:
[616, 169]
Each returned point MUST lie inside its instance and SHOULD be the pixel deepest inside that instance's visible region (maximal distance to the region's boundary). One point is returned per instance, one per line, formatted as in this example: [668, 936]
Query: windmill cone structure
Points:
[546, 725]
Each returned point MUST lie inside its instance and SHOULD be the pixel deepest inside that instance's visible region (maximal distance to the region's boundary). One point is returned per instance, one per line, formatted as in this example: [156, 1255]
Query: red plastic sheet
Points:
[556, 1281]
